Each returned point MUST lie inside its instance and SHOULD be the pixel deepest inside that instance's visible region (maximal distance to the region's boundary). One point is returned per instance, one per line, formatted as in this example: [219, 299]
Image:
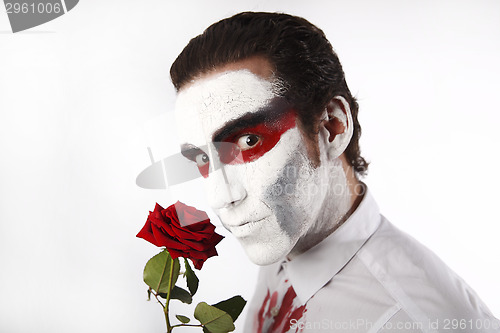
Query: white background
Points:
[77, 93]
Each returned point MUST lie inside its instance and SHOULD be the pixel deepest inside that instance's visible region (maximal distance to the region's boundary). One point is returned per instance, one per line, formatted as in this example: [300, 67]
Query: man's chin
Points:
[263, 254]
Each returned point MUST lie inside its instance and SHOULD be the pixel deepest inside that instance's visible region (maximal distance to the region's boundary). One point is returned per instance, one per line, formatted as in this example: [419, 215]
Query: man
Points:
[265, 112]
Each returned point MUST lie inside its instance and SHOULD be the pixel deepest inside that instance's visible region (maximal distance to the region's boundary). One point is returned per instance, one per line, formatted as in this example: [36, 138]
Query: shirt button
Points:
[275, 311]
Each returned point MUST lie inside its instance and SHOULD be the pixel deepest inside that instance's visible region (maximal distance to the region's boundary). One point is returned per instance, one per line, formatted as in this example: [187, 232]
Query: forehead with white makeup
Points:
[207, 104]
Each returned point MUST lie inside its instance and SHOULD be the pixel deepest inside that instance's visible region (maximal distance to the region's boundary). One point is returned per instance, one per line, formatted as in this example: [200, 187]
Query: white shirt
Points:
[367, 276]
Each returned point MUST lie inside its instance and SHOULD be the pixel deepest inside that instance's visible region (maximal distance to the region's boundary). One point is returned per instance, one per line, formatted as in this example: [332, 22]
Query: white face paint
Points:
[276, 201]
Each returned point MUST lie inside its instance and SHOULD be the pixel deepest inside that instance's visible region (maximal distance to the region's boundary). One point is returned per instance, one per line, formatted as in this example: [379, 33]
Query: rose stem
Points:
[169, 328]
[190, 325]
[156, 296]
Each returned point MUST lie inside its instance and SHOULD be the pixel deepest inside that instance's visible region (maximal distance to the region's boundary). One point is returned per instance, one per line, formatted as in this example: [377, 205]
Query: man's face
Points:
[260, 180]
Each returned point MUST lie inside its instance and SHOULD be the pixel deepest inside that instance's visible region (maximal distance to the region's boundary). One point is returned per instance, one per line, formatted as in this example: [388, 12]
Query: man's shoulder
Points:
[418, 280]
[392, 282]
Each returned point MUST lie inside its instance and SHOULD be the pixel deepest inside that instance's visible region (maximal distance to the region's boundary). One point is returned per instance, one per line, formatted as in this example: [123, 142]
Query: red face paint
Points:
[204, 169]
[198, 156]
[246, 144]
[267, 133]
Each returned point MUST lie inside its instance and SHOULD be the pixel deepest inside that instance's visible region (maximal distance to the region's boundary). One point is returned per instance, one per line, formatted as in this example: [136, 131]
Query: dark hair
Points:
[300, 53]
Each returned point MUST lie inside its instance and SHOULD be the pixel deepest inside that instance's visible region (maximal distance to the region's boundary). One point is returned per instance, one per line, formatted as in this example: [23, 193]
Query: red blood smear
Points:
[286, 313]
[260, 316]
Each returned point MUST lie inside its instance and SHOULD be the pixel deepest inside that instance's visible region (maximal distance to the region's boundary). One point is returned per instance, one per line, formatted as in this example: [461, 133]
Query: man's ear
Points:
[339, 126]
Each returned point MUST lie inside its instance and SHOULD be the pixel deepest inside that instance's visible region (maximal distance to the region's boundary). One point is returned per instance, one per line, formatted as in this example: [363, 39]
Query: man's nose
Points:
[224, 188]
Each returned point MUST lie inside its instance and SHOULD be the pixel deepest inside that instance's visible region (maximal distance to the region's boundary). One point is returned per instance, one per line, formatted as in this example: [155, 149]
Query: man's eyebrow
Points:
[268, 113]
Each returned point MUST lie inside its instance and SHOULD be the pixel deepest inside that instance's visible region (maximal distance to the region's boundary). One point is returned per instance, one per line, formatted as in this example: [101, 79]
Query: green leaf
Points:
[157, 271]
[149, 294]
[192, 279]
[178, 293]
[215, 320]
[183, 319]
[205, 330]
[181, 294]
[232, 306]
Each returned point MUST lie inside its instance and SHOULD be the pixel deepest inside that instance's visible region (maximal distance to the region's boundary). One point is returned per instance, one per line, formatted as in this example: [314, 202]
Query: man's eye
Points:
[201, 159]
[248, 141]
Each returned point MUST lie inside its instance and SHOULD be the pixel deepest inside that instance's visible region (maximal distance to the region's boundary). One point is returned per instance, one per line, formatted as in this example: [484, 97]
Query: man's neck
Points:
[328, 222]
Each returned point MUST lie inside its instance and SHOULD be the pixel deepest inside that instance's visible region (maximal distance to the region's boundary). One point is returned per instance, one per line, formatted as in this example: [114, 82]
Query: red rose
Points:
[184, 230]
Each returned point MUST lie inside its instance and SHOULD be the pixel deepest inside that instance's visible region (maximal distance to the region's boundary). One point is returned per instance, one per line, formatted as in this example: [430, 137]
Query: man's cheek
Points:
[273, 177]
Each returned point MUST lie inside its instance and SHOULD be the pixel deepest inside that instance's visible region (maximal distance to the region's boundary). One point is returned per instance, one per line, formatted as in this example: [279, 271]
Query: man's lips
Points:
[229, 225]
[246, 228]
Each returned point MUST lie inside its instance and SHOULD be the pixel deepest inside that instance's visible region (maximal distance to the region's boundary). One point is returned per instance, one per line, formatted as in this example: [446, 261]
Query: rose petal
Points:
[185, 233]
[192, 217]
[169, 230]
[215, 239]
[205, 244]
[203, 227]
[198, 246]
[189, 215]
[211, 252]
[166, 241]
[170, 216]
[198, 264]
[176, 254]
[198, 255]
[147, 233]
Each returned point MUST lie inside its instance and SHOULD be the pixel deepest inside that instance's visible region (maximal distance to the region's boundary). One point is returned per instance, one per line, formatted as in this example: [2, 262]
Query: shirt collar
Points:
[311, 270]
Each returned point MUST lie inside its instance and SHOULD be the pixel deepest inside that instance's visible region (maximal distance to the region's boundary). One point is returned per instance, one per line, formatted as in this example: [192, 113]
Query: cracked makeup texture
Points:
[269, 223]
